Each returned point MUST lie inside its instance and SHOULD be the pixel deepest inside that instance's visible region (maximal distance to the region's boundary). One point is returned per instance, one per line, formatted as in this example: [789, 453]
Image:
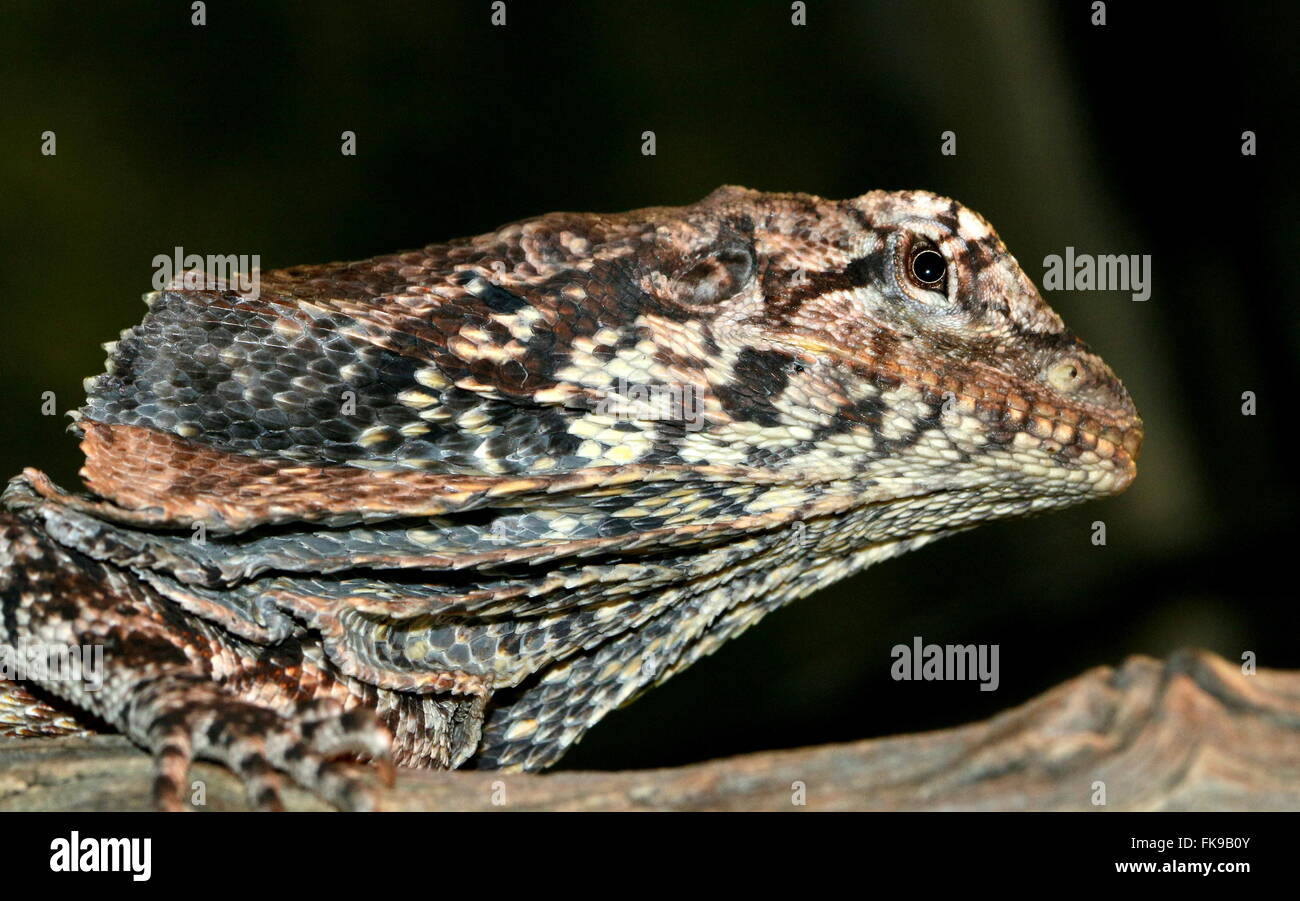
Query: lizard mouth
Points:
[1088, 432]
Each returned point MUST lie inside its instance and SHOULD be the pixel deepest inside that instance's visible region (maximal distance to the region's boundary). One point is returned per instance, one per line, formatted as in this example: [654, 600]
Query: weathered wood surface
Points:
[1190, 733]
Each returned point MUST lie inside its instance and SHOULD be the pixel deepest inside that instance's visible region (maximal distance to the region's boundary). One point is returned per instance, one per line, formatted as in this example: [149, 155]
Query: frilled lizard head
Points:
[890, 339]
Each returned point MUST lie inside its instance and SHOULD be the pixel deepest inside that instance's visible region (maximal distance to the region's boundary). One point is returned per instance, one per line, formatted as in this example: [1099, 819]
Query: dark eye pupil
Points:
[929, 267]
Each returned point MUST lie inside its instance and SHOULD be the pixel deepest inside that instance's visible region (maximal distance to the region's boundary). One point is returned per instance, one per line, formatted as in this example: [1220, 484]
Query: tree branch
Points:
[1190, 733]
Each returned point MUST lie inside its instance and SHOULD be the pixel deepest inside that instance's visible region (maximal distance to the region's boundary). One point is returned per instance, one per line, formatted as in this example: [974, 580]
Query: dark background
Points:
[1123, 138]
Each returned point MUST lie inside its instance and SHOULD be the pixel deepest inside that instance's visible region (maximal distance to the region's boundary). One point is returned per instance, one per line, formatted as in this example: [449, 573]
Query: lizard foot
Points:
[182, 718]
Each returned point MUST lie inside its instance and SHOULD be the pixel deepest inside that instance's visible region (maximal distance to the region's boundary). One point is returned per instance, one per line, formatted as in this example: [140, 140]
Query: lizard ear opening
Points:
[721, 274]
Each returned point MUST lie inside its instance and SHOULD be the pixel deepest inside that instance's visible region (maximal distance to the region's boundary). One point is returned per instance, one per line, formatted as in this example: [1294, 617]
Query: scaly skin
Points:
[451, 507]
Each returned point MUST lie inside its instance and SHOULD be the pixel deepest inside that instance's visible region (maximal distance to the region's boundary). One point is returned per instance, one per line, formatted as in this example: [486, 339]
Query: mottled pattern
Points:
[452, 506]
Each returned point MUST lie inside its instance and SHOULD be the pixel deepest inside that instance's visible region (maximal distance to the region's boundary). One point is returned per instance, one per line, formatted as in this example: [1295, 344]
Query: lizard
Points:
[450, 507]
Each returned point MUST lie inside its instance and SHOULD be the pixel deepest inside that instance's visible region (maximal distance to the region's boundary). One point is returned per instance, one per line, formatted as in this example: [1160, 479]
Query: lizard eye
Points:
[1066, 375]
[928, 269]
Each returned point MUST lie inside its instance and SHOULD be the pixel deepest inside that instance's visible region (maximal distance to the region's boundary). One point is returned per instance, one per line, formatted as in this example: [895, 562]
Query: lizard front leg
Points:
[182, 688]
